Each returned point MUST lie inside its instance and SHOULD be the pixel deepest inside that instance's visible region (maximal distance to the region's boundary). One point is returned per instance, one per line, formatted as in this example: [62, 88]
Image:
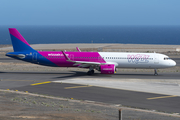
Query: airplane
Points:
[105, 62]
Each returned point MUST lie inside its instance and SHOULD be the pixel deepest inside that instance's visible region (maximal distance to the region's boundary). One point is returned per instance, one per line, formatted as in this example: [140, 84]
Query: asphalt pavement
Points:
[43, 83]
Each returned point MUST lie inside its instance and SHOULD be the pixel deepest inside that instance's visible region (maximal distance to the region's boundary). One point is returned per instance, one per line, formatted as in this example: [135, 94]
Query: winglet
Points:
[67, 58]
[78, 49]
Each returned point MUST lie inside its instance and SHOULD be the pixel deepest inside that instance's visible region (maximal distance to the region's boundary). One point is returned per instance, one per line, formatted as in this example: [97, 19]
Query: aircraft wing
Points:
[82, 63]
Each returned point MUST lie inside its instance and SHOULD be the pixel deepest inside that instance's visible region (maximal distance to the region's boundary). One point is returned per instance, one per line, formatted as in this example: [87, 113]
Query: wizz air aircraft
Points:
[105, 62]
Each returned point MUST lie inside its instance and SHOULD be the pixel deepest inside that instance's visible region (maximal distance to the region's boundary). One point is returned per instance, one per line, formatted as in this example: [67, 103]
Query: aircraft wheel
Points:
[90, 72]
[155, 72]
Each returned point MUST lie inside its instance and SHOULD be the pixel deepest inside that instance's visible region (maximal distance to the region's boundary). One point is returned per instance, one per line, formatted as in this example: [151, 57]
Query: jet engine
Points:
[107, 69]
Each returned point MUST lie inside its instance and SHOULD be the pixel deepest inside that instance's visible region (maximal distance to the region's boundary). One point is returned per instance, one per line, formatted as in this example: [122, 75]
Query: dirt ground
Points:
[20, 105]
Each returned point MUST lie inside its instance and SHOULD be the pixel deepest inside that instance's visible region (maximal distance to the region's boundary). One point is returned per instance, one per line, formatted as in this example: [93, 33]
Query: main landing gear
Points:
[155, 72]
[91, 71]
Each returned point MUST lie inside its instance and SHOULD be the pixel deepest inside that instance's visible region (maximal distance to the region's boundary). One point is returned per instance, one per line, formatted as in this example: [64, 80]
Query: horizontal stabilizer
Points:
[17, 55]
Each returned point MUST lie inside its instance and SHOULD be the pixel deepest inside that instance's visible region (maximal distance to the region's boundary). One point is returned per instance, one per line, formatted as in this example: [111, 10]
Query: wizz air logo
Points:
[54, 54]
[138, 58]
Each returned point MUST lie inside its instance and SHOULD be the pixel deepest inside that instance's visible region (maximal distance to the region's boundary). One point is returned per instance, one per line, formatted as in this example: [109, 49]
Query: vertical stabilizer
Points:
[18, 41]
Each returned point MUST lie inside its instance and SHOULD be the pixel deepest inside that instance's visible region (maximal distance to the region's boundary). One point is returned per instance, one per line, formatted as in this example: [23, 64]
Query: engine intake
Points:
[107, 69]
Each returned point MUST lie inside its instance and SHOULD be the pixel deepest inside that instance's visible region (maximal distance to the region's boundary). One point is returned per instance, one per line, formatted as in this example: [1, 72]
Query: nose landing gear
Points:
[155, 72]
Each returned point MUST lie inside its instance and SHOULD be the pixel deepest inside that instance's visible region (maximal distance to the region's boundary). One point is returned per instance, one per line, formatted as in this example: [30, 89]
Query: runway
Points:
[45, 83]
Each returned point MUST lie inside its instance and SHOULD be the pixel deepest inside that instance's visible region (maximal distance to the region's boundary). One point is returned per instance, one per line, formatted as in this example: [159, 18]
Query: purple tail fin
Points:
[18, 41]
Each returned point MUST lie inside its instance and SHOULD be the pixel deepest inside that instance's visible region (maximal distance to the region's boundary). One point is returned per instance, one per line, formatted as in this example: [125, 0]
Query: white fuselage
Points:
[138, 60]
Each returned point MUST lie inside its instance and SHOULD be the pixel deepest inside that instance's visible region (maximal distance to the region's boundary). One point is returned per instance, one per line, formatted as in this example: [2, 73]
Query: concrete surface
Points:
[158, 86]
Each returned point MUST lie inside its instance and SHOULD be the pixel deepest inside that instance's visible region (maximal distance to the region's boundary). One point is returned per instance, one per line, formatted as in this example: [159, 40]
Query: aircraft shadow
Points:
[126, 74]
[34, 73]
[79, 73]
[75, 74]
[83, 74]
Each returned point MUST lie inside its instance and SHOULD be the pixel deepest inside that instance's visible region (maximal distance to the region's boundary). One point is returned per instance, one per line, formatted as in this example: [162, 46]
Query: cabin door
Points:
[156, 58]
[71, 57]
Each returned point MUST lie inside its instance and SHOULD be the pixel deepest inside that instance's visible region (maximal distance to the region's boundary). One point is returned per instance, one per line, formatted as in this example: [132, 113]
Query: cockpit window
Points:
[166, 58]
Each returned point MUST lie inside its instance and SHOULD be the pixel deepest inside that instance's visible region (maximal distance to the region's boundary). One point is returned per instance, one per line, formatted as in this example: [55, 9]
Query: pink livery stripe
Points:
[15, 33]
[59, 59]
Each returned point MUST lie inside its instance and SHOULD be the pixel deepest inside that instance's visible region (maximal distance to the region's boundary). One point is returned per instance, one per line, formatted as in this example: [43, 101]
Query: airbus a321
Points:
[105, 62]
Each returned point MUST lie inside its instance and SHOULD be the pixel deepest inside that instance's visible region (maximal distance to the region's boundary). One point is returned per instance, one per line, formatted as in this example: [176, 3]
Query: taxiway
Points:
[56, 84]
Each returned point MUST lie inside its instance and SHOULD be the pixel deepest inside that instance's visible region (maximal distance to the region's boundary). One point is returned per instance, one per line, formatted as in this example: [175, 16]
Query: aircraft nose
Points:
[173, 63]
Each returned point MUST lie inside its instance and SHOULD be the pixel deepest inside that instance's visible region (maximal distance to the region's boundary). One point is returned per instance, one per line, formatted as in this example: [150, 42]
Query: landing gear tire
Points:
[155, 72]
[90, 72]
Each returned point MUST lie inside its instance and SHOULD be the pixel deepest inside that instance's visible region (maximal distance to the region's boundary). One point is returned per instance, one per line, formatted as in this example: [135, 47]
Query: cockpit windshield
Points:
[166, 58]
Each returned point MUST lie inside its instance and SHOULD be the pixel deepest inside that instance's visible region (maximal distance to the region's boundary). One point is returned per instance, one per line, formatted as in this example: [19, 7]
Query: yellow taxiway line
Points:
[77, 87]
[41, 83]
[162, 97]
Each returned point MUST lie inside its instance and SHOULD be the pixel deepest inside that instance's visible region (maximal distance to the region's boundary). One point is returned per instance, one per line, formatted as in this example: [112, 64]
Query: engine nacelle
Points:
[107, 69]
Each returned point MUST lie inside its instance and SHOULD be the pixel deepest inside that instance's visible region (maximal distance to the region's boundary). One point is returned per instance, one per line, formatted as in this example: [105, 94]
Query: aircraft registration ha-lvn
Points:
[105, 62]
